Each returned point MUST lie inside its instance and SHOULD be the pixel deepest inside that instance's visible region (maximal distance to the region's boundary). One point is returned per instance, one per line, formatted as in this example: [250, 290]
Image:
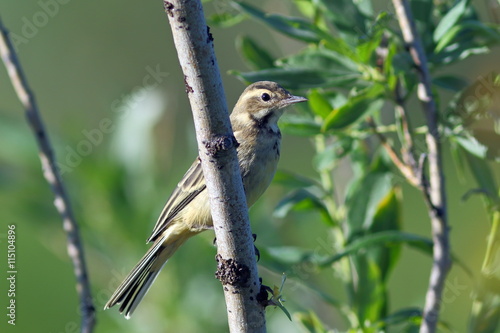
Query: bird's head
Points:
[264, 102]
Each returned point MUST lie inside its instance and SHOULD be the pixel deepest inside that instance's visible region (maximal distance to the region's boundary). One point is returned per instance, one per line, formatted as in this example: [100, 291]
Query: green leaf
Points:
[385, 238]
[387, 217]
[483, 176]
[459, 51]
[253, 54]
[485, 313]
[362, 200]
[467, 31]
[328, 158]
[281, 259]
[366, 50]
[293, 27]
[311, 322]
[341, 47]
[369, 300]
[311, 10]
[388, 214]
[320, 58]
[365, 7]
[306, 8]
[373, 266]
[298, 200]
[299, 125]
[335, 98]
[470, 144]
[390, 71]
[285, 311]
[458, 159]
[371, 42]
[450, 19]
[344, 15]
[365, 102]
[291, 260]
[292, 180]
[225, 19]
[406, 315]
[277, 297]
[318, 103]
[363, 197]
[301, 78]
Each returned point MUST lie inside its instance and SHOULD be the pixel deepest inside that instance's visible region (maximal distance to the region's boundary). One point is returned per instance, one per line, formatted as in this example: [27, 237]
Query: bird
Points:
[254, 121]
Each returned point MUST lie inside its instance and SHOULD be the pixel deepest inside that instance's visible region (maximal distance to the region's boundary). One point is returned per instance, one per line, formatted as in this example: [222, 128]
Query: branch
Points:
[407, 150]
[435, 193]
[405, 170]
[51, 174]
[217, 151]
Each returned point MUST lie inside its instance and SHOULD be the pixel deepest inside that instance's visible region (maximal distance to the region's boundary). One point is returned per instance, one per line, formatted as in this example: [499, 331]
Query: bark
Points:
[237, 267]
[53, 177]
[434, 190]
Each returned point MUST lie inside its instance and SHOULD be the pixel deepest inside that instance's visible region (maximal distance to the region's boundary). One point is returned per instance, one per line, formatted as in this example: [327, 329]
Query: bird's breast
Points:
[258, 162]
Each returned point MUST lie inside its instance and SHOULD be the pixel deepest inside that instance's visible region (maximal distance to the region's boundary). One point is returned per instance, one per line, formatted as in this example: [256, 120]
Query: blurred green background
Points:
[124, 136]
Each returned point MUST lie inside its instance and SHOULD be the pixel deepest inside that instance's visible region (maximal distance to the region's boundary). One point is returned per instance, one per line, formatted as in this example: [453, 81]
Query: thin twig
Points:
[217, 151]
[436, 196]
[51, 174]
[405, 170]
[407, 149]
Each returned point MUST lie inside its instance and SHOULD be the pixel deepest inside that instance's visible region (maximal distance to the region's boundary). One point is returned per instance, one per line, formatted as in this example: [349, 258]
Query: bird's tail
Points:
[135, 286]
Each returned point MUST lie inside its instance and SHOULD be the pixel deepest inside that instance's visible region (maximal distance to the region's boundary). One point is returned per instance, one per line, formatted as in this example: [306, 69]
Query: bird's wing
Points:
[192, 184]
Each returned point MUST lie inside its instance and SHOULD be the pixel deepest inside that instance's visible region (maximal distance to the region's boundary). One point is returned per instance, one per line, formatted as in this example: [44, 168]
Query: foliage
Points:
[355, 71]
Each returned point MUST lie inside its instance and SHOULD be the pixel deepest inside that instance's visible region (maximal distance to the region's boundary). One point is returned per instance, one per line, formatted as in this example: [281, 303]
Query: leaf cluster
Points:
[356, 72]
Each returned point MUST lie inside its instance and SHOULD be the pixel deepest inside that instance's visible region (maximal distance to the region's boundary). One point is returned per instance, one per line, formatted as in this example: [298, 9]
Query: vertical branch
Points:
[237, 267]
[435, 196]
[407, 150]
[51, 174]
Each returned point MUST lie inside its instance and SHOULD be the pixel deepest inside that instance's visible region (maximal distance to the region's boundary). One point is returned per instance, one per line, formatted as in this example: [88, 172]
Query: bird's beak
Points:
[293, 99]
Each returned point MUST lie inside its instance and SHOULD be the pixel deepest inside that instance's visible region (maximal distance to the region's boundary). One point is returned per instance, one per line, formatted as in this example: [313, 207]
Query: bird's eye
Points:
[265, 97]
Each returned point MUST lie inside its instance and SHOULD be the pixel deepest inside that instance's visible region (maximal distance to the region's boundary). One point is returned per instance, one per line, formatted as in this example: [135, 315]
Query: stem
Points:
[436, 195]
[217, 151]
[406, 171]
[407, 149]
[493, 238]
[51, 174]
[485, 312]
[343, 268]
[325, 175]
